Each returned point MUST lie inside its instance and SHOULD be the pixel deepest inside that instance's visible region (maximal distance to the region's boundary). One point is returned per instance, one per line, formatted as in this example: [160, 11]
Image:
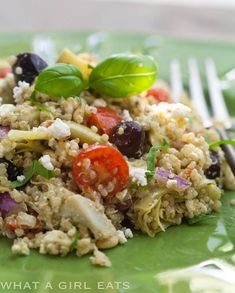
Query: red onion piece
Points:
[4, 131]
[8, 205]
[163, 175]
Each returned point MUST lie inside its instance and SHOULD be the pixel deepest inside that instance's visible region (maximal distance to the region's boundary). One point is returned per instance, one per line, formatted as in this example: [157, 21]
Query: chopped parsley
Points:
[35, 168]
[151, 157]
[74, 242]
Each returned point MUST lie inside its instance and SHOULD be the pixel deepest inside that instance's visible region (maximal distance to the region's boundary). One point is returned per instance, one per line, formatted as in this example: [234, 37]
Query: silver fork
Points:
[218, 106]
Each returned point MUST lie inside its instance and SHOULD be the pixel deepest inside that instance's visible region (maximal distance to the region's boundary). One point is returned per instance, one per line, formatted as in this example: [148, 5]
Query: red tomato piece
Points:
[100, 168]
[105, 119]
[159, 94]
[4, 71]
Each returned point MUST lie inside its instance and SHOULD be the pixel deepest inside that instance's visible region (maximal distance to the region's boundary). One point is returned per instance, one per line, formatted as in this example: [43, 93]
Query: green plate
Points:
[198, 258]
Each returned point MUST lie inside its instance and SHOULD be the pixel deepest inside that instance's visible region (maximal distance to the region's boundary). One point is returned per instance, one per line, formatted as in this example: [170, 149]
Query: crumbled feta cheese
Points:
[169, 110]
[128, 233]
[40, 129]
[20, 178]
[59, 129]
[138, 176]
[5, 109]
[121, 237]
[20, 91]
[46, 162]
[126, 115]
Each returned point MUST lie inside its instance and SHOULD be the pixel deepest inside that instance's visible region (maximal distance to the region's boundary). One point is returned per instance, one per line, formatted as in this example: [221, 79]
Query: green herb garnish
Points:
[60, 80]
[199, 219]
[123, 75]
[165, 145]
[217, 143]
[35, 168]
[74, 242]
[151, 158]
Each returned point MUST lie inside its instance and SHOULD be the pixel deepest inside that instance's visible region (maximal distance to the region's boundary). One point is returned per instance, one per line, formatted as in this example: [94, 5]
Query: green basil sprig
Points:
[123, 75]
[35, 168]
[60, 80]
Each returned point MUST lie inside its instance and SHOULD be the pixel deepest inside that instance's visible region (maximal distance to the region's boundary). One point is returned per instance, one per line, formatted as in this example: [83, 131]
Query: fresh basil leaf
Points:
[217, 143]
[60, 80]
[123, 75]
[74, 242]
[151, 157]
[38, 104]
[199, 219]
[35, 168]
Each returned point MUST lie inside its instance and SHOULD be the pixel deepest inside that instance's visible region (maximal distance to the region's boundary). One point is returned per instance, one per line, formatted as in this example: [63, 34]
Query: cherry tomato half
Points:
[100, 168]
[159, 95]
[104, 119]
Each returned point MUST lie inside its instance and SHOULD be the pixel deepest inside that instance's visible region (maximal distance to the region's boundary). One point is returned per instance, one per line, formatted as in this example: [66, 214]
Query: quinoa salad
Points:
[94, 151]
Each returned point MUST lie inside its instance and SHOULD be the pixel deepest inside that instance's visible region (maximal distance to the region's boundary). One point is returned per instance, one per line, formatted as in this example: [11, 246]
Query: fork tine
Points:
[176, 80]
[218, 105]
[196, 92]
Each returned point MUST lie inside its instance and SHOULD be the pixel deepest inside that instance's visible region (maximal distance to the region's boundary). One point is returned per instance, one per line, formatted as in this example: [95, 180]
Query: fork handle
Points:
[229, 150]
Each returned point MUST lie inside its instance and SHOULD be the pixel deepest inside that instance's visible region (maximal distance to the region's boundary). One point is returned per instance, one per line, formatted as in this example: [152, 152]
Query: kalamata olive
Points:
[213, 171]
[129, 138]
[27, 67]
[12, 170]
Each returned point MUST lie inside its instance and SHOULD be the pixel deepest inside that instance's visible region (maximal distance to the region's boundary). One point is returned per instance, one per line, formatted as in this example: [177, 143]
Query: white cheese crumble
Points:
[128, 233]
[5, 109]
[169, 110]
[58, 129]
[121, 237]
[138, 176]
[46, 162]
[20, 91]
[126, 115]
[20, 178]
